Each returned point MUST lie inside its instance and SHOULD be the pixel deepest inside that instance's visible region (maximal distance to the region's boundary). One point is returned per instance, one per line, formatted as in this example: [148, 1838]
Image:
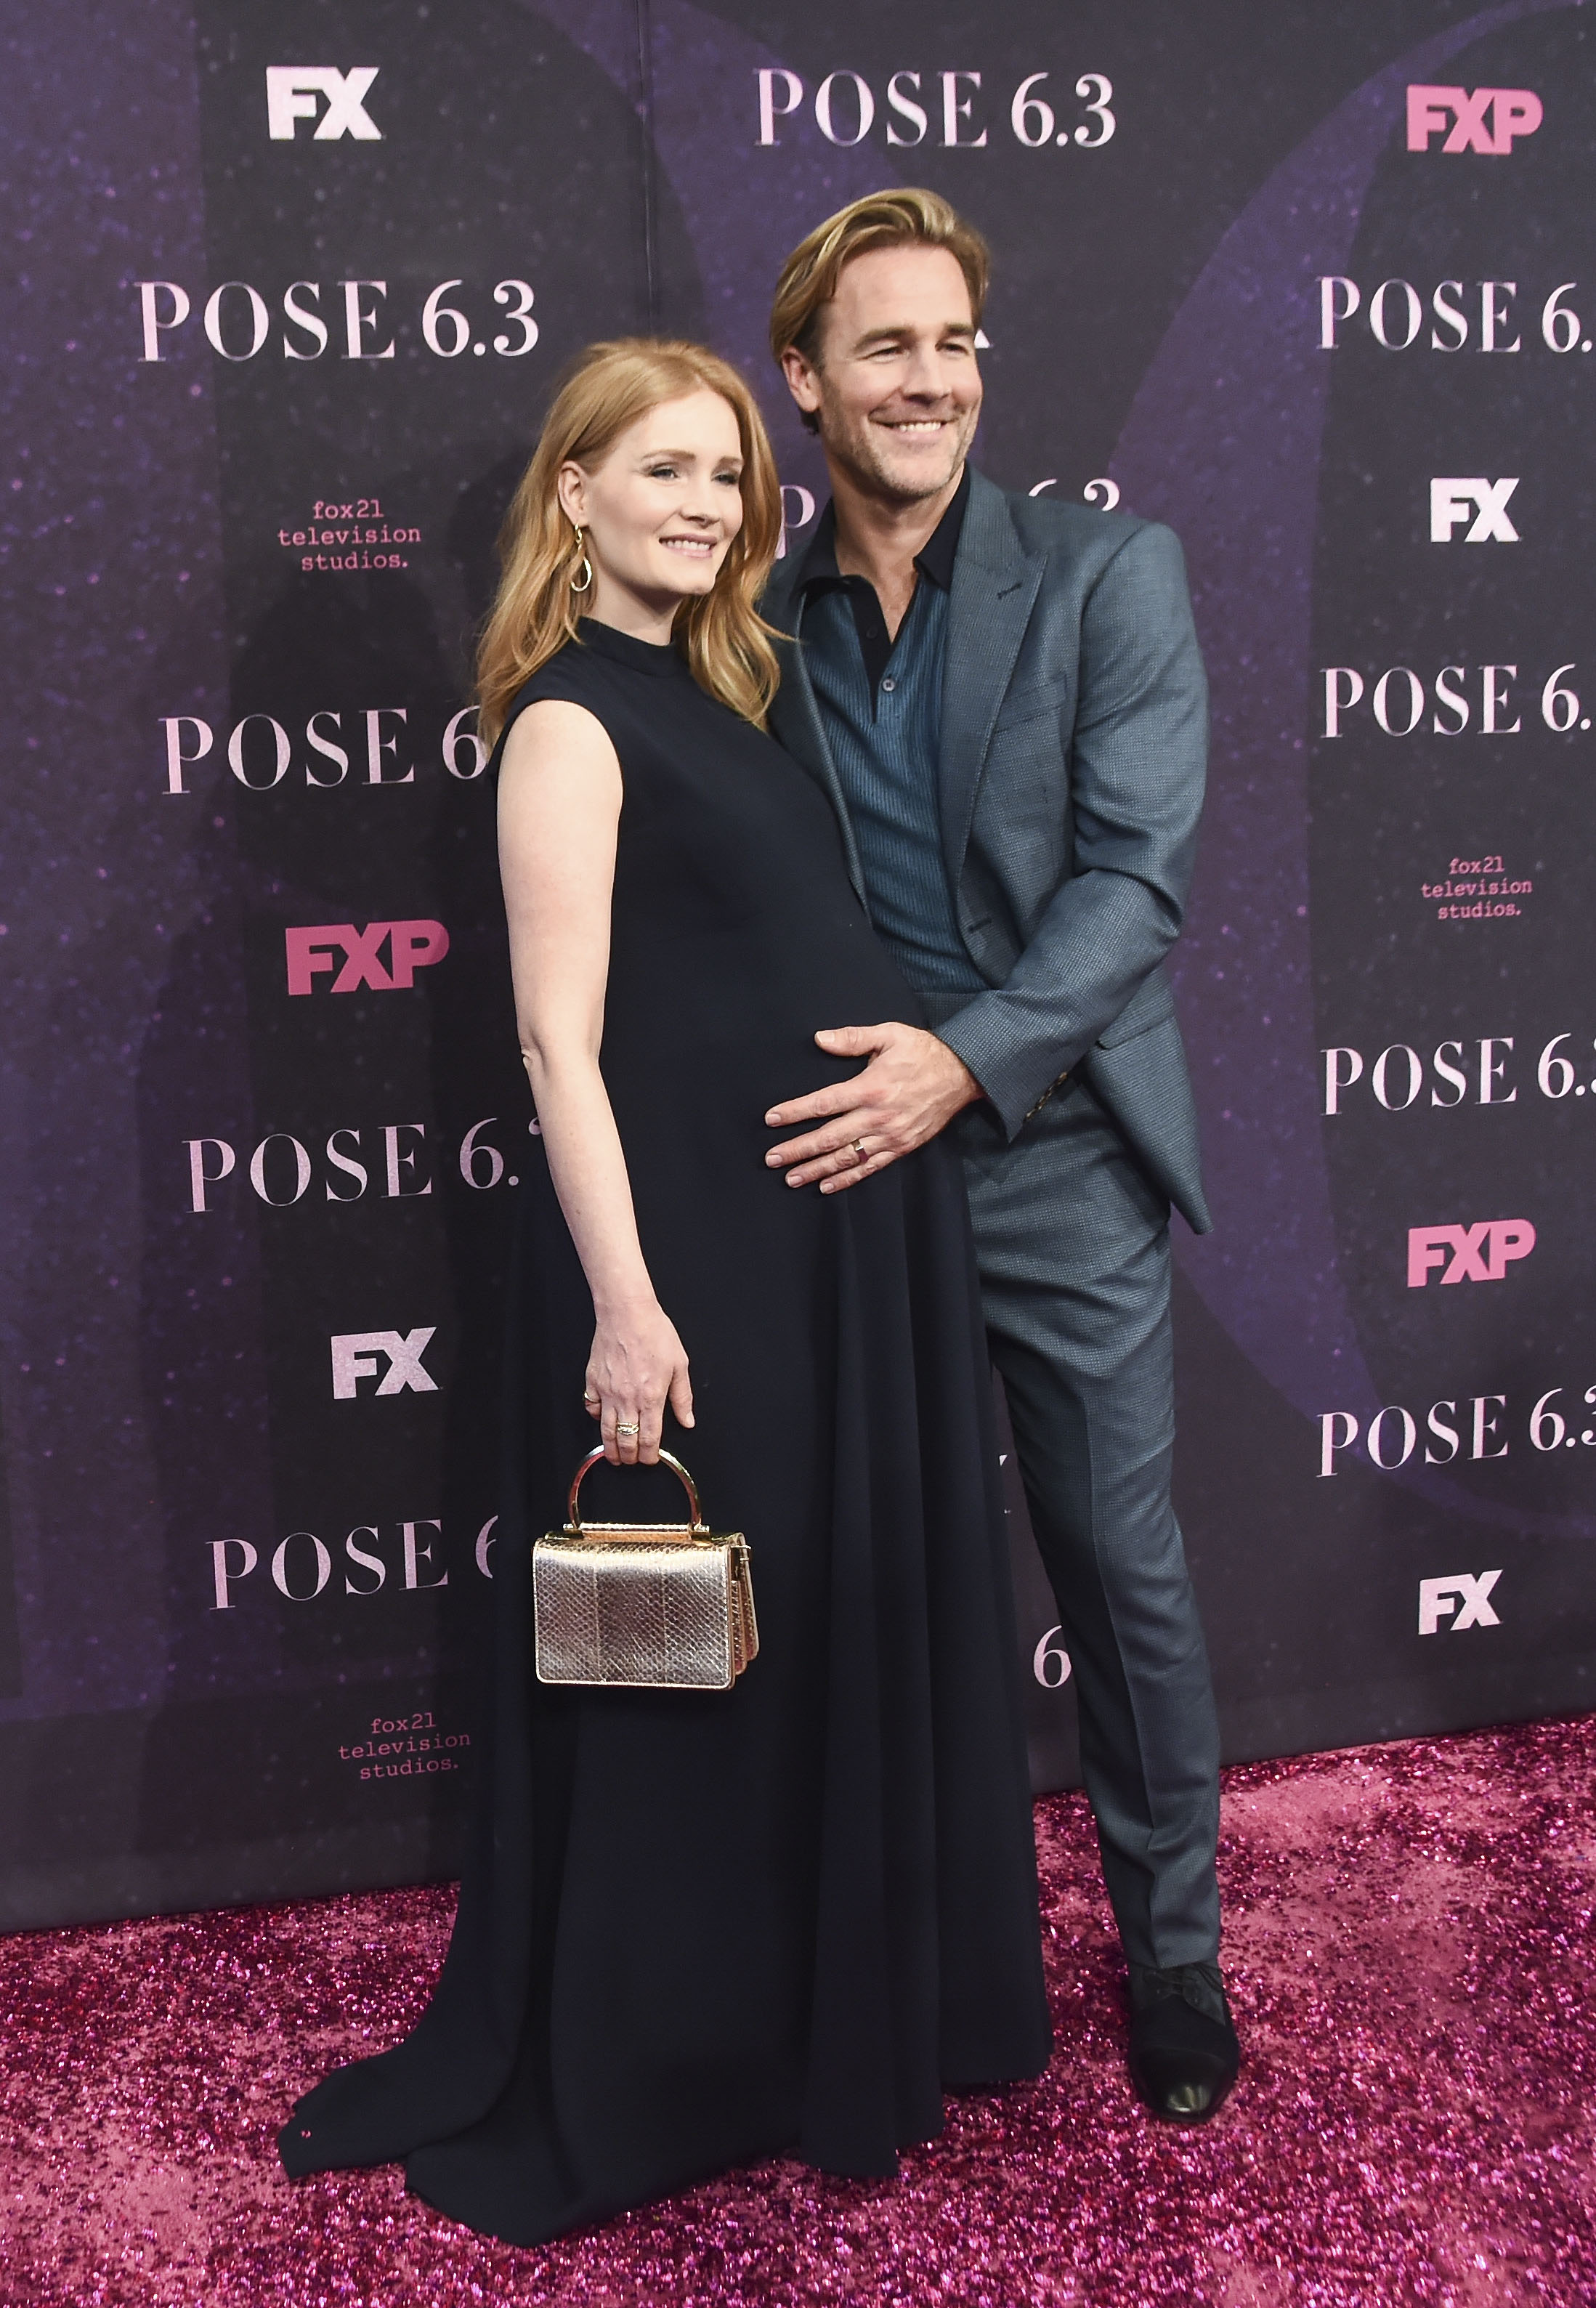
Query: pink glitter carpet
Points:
[1408, 1936]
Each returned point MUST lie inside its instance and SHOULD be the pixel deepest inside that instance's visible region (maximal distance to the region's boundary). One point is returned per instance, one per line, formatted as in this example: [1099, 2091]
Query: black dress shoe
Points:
[1183, 2054]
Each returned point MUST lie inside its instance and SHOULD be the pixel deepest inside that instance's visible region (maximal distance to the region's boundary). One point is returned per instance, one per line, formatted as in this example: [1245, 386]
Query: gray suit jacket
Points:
[1075, 727]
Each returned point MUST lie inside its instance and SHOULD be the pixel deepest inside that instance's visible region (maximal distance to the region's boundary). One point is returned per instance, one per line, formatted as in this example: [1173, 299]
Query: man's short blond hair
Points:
[907, 217]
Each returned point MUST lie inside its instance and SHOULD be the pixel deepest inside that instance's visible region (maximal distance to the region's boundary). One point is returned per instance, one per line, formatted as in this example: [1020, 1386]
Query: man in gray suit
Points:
[1005, 701]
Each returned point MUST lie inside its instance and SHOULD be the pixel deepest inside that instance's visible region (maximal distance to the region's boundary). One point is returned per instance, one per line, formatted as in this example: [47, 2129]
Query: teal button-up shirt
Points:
[881, 700]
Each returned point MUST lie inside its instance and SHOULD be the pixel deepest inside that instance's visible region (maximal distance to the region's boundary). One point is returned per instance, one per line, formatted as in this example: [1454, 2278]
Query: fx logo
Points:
[1512, 112]
[1452, 502]
[355, 1354]
[1479, 1254]
[411, 946]
[291, 93]
[1464, 1592]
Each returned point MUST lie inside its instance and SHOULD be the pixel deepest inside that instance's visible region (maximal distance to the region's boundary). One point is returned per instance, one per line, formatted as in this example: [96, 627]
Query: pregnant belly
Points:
[717, 1083]
[703, 1037]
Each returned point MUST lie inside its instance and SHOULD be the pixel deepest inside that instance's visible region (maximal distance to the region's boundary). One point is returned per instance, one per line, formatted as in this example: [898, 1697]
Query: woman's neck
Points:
[645, 618]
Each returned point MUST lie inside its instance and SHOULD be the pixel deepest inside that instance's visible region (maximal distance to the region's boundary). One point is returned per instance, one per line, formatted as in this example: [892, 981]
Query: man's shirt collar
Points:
[934, 560]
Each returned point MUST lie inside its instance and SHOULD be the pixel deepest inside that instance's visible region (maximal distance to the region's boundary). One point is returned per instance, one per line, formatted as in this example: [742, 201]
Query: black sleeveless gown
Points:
[697, 1929]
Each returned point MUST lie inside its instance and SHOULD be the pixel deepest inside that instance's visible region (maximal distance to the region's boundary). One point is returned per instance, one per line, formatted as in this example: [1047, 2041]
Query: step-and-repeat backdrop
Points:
[1315, 283]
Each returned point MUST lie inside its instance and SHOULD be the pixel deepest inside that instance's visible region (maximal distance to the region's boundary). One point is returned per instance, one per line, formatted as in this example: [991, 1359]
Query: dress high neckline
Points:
[626, 649]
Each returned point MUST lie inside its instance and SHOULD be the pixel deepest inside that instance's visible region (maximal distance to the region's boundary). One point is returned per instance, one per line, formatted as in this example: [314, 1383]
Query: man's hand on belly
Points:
[911, 1087]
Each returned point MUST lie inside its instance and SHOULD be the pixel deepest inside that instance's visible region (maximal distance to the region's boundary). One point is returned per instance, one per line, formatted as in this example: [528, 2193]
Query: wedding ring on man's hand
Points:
[621, 1428]
[859, 1150]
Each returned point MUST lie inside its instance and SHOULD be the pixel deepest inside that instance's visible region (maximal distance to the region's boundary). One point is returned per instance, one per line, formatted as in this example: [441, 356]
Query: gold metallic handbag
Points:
[668, 1606]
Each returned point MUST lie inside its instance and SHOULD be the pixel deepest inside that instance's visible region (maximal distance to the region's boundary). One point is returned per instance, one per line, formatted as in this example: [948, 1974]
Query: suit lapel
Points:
[796, 718]
[993, 590]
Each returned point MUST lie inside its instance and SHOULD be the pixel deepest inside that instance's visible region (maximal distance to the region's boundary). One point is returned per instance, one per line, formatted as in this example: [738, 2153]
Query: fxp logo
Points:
[291, 94]
[411, 946]
[1471, 120]
[1469, 1253]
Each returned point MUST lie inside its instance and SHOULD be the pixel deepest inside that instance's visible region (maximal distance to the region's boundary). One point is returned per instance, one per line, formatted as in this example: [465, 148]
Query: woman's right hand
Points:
[637, 1364]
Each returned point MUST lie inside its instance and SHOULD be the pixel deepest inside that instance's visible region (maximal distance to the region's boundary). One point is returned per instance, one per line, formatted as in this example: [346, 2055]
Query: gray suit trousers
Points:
[1073, 1242]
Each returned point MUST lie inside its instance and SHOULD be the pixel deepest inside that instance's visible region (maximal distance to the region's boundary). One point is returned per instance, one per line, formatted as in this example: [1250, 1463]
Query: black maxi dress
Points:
[696, 1929]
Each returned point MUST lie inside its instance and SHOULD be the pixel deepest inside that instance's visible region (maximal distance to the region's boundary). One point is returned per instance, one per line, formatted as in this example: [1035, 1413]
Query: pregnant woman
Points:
[696, 1927]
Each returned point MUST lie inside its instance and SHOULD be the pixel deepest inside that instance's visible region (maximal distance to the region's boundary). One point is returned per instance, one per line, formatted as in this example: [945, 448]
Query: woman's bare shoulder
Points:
[548, 731]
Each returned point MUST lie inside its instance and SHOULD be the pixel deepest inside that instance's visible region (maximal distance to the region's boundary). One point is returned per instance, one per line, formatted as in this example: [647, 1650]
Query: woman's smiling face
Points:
[660, 509]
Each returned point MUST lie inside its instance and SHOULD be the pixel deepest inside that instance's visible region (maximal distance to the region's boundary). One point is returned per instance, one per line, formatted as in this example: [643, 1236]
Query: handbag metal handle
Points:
[573, 1519]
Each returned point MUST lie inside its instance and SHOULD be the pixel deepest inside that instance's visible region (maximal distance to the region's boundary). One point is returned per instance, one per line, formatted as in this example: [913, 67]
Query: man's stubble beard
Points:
[855, 452]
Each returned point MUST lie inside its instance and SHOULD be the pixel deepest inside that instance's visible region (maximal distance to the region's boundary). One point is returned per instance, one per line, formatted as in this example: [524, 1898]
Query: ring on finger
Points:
[624, 1426]
[859, 1150]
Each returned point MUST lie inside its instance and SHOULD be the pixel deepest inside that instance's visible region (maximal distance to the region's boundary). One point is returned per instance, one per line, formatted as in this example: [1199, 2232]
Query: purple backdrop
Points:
[290, 287]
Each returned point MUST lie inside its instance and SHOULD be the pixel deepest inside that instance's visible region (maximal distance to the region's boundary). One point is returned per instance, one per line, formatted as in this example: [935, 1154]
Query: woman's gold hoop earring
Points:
[587, 567]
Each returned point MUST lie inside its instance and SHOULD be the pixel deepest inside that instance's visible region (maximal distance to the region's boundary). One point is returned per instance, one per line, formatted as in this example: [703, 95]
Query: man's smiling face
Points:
[895, 384]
